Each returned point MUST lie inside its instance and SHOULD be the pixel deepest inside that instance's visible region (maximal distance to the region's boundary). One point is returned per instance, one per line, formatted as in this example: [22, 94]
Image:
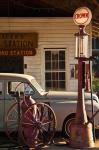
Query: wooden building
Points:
[52, 60]
[38, 39]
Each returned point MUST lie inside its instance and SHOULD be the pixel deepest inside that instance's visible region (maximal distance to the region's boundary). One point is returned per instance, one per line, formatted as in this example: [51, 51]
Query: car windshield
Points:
[37, 86]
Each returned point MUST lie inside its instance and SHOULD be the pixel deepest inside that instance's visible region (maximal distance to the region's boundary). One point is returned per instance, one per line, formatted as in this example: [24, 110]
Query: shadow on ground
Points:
[58, 144]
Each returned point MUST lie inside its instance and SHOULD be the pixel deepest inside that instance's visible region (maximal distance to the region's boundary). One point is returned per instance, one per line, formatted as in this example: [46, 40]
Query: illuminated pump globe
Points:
[82, 50]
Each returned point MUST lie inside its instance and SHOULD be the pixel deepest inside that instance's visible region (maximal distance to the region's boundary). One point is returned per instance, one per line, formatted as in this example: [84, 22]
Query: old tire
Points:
[69, 120]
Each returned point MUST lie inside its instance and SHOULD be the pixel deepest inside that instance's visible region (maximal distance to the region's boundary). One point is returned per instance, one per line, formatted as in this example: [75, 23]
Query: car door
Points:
[1, 105]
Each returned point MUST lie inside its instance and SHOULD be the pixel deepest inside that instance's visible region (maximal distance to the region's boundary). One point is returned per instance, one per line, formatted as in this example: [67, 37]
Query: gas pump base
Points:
[81, 136]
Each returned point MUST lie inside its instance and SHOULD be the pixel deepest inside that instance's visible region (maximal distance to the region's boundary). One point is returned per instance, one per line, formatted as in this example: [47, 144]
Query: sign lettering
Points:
[82, 16]
[13, 44]
[17, 53]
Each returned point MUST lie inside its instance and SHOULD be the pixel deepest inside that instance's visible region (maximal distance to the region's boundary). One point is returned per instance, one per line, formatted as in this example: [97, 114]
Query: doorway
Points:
[11, 64]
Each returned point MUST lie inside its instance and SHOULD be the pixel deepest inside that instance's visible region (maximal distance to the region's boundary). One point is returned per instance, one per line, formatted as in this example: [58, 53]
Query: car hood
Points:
[68, 95]
[61, 95]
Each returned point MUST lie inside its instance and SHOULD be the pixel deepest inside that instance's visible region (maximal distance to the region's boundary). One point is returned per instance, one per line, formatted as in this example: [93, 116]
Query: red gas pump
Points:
[81, 131]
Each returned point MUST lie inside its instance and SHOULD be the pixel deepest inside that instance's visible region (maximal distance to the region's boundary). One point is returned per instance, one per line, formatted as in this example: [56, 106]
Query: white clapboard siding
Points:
[57, 32]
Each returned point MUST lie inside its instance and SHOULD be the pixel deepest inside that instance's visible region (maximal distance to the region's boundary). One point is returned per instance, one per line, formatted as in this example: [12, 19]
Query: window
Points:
[96, 67]
[55, 69]
[95, 43]
[21, 87]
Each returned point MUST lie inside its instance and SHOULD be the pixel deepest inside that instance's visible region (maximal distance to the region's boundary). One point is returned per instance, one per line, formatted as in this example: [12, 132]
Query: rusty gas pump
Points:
[81, 135]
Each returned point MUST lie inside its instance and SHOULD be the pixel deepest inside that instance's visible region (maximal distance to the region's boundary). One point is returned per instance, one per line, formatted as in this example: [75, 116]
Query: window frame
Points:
[63, 70]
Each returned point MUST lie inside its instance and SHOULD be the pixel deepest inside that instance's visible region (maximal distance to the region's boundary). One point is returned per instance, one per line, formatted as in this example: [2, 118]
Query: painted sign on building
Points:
[18, 44]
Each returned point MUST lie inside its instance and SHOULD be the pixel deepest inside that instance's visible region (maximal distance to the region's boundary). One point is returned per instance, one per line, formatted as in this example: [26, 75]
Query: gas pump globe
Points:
[81, 43]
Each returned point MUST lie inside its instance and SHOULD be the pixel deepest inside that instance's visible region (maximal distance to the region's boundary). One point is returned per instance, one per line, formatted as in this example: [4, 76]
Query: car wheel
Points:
[69, 120]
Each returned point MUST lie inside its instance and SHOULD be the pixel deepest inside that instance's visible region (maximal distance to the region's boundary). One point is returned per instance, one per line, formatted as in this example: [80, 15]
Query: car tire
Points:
[67, 125]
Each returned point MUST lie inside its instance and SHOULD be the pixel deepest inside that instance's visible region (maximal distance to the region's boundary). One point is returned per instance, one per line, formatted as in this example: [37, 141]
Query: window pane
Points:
[62, 84]
[48, 76]
[93, 43]
[55, 76]
[55, 65]
[97, 43]
[48, 84]
[55, 84]
[62, 76]
[62, 55]
[47, 55]
[62, 65]
[47, 66]
[54, 55]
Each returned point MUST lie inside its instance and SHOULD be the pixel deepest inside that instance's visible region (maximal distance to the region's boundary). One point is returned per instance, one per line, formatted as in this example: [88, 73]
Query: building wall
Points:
[52, 33]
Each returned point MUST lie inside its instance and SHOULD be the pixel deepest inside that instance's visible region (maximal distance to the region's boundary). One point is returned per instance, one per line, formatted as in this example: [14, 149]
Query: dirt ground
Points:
[59, 144]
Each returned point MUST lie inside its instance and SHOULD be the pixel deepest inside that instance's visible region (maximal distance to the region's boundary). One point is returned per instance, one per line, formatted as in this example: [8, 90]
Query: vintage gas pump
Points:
[81, 135]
